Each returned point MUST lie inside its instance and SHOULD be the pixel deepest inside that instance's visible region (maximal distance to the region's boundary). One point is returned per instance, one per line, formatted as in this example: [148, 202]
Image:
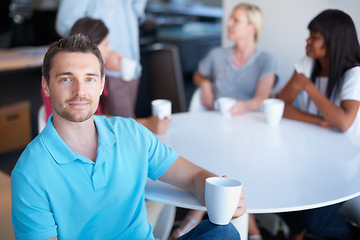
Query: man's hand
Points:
[241, 209]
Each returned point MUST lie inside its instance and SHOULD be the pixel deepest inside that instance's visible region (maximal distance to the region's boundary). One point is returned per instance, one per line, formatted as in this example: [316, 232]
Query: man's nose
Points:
[78, 88]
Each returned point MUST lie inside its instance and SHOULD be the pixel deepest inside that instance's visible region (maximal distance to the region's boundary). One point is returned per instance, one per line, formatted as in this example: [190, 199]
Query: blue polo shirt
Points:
[57, 192]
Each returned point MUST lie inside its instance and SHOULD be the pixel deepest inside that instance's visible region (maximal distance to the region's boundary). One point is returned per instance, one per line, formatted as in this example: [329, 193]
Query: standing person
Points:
[243, 72]
[326, 85]
[122, 19]
[83, 176]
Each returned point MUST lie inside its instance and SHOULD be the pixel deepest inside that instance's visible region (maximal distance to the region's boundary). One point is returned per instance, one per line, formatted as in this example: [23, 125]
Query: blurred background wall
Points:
[285, 27]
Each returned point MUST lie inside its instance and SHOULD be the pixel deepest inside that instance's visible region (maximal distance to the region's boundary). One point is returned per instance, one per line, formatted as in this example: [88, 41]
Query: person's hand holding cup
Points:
[223, 199]
[161, 108]
[224, 104]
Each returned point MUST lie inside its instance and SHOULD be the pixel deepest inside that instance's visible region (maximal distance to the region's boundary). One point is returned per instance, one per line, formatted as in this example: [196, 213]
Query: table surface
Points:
[21, 58]
[289, 167]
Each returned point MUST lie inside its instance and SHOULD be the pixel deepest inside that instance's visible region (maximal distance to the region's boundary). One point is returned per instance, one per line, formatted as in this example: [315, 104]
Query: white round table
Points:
[289, 167]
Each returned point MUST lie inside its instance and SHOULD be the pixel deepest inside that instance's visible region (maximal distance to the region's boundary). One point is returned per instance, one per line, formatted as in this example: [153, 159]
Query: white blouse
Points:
[350, 90]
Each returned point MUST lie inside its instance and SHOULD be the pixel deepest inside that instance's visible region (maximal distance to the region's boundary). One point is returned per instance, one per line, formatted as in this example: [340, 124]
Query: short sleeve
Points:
[351, 85]
[161, 157]
[31, 212]
[269, 65]
[206, 65]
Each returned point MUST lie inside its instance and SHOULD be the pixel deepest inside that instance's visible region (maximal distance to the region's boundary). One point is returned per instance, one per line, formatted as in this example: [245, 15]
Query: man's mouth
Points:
[78, 103]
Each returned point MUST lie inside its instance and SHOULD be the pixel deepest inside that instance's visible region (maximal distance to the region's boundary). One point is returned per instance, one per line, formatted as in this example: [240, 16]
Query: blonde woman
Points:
[244, 72]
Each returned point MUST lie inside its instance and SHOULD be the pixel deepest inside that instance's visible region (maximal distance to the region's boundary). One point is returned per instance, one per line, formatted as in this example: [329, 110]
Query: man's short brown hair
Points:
[74, 43]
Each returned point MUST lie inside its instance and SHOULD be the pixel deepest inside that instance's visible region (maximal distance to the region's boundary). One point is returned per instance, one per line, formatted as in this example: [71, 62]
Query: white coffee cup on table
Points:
[222, 196]
[273, 110]
[225, 104]
[161, 108]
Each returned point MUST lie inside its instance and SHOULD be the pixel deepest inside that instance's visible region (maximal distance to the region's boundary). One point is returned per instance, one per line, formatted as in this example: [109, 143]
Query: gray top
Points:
[236, 82]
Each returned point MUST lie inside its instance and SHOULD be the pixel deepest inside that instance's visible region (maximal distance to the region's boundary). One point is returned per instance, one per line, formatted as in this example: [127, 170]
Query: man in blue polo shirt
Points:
[83, 177]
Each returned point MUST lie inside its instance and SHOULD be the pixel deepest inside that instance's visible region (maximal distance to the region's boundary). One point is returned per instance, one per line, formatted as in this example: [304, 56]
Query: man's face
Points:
[75, 86]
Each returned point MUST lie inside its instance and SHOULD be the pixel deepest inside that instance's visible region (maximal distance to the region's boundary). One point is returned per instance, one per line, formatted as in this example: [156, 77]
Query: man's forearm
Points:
[188, 176]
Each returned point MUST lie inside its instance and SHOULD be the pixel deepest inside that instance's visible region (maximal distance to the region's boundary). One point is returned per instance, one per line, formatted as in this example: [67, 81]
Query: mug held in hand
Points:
[222, 196]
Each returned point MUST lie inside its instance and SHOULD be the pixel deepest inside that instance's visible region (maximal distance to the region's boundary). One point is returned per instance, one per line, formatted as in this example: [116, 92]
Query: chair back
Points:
[195, 102]
[161, 79]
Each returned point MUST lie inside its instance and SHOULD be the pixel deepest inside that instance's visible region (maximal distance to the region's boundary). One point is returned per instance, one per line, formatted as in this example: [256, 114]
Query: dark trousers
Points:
[322, 222]
[206, 230]
[122, 96]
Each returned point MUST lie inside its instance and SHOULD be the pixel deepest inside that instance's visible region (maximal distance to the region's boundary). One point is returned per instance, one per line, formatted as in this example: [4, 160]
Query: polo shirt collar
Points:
[106, 140]
[63, 154]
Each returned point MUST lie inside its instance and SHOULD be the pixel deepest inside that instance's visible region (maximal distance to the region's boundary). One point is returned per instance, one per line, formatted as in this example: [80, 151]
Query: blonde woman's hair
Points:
[255, 17]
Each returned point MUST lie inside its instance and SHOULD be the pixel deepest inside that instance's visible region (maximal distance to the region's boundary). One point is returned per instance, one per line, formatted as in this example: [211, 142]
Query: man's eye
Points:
[65, 79]
[91, 79]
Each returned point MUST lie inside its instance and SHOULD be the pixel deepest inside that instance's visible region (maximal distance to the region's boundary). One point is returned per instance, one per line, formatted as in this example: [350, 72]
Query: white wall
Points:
[285, 27]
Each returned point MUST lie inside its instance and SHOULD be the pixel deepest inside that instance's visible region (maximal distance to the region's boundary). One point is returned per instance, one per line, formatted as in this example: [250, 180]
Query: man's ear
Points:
[102, 85]
[45, 86]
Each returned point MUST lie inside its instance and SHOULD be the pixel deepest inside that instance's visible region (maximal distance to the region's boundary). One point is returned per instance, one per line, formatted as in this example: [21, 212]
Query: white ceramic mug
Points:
[225, 104]
[161, 108]
[128, 68]
[222, 196]
[273, 110]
